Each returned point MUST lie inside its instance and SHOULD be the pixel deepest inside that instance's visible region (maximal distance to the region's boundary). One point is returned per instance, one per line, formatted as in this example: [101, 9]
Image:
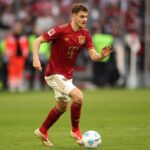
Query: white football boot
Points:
[77, 136]
[42, 137]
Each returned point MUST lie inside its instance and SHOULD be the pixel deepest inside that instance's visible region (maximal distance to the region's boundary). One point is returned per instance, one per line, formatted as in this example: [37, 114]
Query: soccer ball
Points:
[91, 139]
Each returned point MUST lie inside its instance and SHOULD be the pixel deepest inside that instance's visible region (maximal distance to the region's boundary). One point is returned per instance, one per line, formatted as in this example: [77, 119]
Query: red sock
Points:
[75, 115]
[52, 117]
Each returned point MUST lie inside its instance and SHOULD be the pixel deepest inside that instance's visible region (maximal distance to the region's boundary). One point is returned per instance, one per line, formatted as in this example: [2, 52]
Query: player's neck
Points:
[75, 27]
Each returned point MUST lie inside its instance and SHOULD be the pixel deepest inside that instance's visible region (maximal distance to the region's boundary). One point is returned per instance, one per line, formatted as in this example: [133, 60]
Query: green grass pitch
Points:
[122, 117]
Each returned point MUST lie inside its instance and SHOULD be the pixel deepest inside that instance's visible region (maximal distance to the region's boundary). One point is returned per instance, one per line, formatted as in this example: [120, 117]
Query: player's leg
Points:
[54, 114]
[67, 90]
[76, 106]
[51, 118]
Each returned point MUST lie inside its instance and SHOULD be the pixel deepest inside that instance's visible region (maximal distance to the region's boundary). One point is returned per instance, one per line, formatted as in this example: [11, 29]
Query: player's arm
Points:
[36, 46]
[98, 56]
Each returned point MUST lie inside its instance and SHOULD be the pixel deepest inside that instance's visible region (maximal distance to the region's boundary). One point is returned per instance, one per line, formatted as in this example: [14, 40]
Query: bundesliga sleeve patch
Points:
[51, 32]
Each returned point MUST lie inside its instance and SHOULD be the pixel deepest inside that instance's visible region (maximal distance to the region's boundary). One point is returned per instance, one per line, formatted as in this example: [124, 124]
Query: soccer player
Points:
[67, 41]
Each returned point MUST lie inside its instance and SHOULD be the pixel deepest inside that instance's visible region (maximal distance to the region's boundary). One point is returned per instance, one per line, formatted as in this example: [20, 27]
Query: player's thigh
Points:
[60, 83]
[61, 86]
[59, 96]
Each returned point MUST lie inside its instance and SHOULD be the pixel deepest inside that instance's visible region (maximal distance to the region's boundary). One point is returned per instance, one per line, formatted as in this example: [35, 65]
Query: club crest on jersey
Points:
[81, 40]
[51, 32]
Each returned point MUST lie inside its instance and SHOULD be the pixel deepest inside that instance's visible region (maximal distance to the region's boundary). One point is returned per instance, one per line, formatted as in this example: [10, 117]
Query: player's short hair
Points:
[78, 7]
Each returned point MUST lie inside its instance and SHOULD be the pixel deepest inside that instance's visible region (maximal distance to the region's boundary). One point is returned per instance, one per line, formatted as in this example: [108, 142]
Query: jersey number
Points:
[71, 51]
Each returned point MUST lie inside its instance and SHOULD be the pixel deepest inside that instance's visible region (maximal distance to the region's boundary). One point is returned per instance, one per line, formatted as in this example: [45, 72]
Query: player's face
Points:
[80, 19]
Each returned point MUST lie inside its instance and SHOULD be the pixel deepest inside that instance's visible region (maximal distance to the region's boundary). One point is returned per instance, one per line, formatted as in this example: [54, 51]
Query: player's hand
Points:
[106, 51]
[37, 64]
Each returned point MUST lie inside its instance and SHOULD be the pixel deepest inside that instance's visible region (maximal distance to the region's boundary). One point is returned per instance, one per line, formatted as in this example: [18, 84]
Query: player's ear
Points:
[73, 15]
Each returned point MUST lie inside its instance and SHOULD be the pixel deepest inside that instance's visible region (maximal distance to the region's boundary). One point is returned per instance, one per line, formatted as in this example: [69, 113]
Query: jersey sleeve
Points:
[52, 34]
[88, 43]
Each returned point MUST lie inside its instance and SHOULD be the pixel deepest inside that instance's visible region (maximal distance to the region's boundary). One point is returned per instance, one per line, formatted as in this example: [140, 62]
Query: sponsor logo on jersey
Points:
[51, 32]
[81, 40]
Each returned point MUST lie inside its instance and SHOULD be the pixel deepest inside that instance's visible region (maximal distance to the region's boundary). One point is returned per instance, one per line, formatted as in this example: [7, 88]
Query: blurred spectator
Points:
[36, 79]
[104, 72]
[132, 40]
[118, 46]
[3, 66]
[7, 17]
[45, 20]
[17, 50]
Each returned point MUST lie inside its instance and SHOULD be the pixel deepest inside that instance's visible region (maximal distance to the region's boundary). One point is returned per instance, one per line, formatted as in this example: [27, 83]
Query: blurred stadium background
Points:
[123, 24]
[120, 115]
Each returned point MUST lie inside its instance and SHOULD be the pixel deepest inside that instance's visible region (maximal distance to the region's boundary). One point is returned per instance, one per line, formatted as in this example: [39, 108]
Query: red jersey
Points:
[66, 44]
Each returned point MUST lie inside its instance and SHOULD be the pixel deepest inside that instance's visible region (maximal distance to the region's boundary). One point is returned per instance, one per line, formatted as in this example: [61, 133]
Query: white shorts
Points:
[61, 86]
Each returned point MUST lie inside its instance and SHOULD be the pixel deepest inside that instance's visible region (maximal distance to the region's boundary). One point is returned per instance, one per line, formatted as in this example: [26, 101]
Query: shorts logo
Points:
[81, 40]
[51, 32]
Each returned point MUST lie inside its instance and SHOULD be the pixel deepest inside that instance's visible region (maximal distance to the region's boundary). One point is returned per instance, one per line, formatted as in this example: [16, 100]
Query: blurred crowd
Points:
[118, 23]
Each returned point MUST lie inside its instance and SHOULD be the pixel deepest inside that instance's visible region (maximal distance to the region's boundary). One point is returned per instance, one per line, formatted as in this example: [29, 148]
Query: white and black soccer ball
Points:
[91, 139]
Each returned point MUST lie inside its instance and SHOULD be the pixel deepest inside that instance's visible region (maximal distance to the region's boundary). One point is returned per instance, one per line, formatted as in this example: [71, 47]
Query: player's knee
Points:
[78, 98]
[61, 107]
[77, 95]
